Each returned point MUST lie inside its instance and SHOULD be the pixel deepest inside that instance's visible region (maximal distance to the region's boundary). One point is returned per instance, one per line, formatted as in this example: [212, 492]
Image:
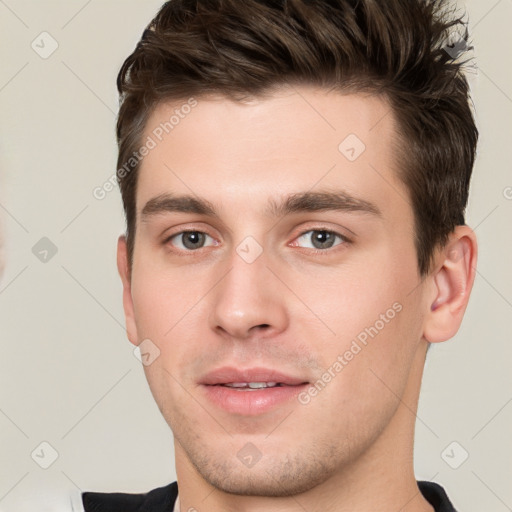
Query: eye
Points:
[189, 240]
[321, 239]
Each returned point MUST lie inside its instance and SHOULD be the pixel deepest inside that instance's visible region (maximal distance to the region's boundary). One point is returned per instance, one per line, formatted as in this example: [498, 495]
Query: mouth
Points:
[250, 392]
[251, 386]
[252, 378]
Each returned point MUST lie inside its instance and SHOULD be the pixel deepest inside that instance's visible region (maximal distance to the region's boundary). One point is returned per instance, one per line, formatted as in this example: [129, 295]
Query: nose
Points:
[249, 301]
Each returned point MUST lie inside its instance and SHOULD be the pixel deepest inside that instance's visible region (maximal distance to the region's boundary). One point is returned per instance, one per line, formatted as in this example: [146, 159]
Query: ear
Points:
[124, 272]
[452, 281]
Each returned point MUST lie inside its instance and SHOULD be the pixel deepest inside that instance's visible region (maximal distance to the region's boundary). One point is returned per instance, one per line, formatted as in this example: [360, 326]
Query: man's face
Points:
[325, 301]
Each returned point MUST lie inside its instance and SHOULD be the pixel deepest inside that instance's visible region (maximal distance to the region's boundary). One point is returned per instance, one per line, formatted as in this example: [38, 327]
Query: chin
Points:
[277, 476]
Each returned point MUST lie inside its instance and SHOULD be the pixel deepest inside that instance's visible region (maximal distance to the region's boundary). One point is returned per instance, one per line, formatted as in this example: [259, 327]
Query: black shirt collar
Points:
[162, 499]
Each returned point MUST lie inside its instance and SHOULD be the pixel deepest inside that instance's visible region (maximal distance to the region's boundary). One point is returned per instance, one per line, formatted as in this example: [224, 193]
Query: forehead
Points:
[251, 152]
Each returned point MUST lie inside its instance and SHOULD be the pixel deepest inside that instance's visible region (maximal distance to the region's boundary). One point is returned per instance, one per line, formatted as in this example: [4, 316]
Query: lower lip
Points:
[251, 403]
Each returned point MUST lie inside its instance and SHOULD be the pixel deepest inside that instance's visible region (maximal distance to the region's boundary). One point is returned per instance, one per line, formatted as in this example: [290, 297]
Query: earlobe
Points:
[452, 282]
[124, 272]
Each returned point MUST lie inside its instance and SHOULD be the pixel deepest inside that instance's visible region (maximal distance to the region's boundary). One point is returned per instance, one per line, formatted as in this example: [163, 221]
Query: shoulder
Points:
[157, 500]
[44, 496]
[436, 496]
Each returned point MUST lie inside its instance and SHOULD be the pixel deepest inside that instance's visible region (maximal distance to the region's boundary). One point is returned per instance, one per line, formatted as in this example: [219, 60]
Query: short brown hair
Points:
[395, 48]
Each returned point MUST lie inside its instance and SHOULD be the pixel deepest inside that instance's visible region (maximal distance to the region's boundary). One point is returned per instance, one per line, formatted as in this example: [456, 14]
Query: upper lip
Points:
[229, 374]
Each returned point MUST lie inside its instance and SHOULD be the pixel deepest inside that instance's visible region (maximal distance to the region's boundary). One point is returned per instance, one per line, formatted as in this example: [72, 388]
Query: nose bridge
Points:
[248, 295]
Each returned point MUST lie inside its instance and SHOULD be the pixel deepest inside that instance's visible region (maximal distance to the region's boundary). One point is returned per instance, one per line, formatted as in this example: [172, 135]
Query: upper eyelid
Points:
[327, 230]
[183, 231]
[317, 228]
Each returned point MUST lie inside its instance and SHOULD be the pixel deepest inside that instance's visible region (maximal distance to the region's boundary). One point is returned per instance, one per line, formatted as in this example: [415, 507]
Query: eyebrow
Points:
[293, 203]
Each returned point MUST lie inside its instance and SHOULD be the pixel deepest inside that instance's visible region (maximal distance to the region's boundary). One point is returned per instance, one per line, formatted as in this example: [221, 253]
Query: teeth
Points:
[251, 385]
[257, 385]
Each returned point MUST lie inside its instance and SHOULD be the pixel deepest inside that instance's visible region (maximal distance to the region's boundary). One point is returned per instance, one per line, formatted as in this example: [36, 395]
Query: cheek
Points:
[163, 298]
[349, 298]
[152, 305]
[375, 318]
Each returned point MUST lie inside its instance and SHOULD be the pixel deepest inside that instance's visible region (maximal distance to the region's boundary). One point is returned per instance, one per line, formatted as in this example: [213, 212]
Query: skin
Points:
[350, 448]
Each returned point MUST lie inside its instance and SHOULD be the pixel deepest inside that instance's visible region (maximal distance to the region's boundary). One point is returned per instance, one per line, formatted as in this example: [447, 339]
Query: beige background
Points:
[68, 375]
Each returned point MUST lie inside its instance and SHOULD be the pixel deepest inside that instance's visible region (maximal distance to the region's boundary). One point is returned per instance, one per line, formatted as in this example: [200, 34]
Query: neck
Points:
[381, 478]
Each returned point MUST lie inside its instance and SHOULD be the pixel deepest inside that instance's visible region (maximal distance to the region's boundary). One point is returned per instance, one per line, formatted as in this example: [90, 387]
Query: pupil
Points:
[193, 239]
[323, 239]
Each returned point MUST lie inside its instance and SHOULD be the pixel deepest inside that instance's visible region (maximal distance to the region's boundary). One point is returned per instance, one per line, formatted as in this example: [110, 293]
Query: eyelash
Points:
[324, 252]
[345, 240]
